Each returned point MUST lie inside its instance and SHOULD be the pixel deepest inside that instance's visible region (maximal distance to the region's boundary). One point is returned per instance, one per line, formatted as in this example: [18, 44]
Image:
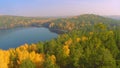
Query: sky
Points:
[59, 7]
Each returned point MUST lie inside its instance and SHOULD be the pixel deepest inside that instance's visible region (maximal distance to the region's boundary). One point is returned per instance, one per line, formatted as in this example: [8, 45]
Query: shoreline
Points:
[57, 31]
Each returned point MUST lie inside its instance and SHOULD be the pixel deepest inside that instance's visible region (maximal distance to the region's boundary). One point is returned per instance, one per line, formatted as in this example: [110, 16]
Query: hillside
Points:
[69, 23]
[7, 22]
[92, 41]
[117, 17]
[77, 22]
[96, 47]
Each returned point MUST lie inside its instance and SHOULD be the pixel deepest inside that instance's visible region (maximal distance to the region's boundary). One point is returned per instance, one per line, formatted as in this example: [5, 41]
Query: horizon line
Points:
[55, 16]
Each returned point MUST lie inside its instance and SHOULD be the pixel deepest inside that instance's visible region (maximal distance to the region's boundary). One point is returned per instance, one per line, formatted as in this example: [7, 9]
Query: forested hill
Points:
[7, 22]
[68, 23]
[117, 17]
[77, 22]
[91, 42]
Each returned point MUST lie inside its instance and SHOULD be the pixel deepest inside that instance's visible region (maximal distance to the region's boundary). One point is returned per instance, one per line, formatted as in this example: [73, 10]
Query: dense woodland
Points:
[7, 22]
[91, 41]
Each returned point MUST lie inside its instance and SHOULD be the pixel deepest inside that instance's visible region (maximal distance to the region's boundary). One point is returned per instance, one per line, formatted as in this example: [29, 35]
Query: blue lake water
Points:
[13, 38]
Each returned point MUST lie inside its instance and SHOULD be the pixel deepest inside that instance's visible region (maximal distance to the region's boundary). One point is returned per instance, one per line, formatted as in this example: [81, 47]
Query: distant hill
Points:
[64, 23]
[7, 21]
[77, 22]
[117, 17]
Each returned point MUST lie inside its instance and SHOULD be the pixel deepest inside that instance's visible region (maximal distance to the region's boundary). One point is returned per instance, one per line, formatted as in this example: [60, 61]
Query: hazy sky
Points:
[59, 7]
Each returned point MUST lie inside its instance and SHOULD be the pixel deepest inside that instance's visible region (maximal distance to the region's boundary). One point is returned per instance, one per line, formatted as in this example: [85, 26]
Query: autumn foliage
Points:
[87, 44]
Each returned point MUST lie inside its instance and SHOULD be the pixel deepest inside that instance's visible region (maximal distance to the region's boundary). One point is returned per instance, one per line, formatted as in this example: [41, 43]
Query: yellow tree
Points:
[66, 50]
[4, 59]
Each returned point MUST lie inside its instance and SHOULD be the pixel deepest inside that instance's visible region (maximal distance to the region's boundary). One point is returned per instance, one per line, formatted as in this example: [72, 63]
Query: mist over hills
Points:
[116, 17]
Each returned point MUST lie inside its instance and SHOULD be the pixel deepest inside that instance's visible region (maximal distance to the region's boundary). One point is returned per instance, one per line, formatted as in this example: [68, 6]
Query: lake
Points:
[15, 37]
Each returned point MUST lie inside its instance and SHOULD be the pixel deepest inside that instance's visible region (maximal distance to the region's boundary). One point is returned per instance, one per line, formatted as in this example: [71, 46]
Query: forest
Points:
[89, 41]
